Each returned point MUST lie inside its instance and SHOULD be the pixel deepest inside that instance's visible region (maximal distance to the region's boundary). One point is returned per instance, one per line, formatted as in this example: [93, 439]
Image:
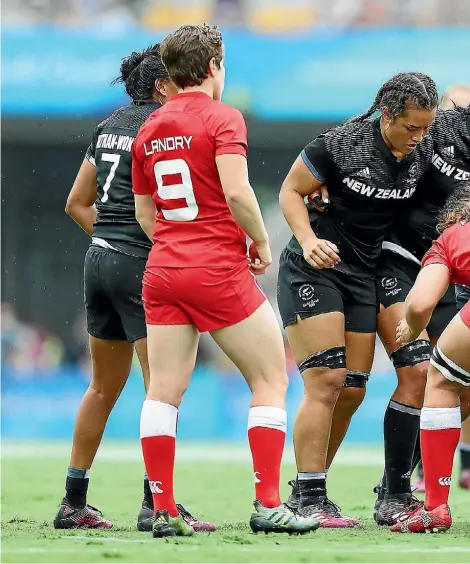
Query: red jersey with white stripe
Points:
[173, 160]
[452, 249]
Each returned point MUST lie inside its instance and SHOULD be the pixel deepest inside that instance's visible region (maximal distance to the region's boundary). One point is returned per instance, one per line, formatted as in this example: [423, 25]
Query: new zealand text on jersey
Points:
[112, 141]
[449, 169]
[380, 193]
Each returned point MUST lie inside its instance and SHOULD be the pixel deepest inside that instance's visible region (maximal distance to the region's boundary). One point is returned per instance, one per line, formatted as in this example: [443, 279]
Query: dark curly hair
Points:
[457, 208]
[399, 91]
[140, 70]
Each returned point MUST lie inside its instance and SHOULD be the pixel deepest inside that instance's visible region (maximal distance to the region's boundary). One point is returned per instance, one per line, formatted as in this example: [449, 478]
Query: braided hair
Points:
[402, 89]
[457, 208]
[140, 71]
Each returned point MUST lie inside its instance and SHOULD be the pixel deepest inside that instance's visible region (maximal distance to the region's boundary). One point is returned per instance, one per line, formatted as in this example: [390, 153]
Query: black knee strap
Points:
[330, 358]
[356, 379]
[411, 354]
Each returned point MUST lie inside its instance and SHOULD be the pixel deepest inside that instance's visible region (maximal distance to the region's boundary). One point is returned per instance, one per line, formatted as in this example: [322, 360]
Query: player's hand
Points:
[404, 334]
[260, 257]
[319, 199]
[321, 253]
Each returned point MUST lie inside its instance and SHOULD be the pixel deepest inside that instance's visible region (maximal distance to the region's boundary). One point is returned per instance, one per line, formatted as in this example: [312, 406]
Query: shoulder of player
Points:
[222, 111]
[149, 124]
[344, 141]
[349, 131]
[448, 123]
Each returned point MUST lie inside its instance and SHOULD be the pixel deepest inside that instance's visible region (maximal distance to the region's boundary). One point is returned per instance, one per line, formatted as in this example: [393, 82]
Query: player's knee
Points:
[411, 354]
[105, 395]
[412, 384]
[172, 396]
[324, 373]
[270, 389]
[351, 397]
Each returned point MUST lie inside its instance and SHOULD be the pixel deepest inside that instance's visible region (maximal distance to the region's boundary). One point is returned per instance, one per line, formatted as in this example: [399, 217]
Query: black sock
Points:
[465, 457]
[76, 486]
[311, 485]
[401, 427]
[147, 493]
[416, 461]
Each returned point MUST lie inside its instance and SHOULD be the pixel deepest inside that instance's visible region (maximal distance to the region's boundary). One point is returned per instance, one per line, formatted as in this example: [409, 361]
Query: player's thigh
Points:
[172, 351]
[312, 312]
[103, 320]
[121, 276]
[111, 365]
[256, 347]
[172, 338]
[450, 354]
[360, 348]
[141, 350]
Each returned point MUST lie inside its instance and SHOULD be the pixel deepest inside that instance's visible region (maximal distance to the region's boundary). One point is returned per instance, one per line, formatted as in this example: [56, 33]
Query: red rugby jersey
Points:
[452, 248]
[173, 160]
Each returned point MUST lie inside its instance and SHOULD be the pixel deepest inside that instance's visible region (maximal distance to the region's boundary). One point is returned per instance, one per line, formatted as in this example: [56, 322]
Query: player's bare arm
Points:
[241, 199]
[80, 204]
[299, 183]
[431, 284]
[145, 213]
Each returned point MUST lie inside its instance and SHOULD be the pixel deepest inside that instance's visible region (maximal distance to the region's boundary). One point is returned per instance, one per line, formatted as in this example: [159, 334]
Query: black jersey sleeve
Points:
[317, 159]
[90, 152]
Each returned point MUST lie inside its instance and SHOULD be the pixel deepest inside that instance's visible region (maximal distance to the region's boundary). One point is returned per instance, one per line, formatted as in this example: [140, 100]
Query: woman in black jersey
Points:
[409, 239]
[102, 203]
[326, 287]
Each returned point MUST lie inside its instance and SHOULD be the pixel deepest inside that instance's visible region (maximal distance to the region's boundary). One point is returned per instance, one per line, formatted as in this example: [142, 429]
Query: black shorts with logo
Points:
[113, 295]
[395, 278]
[304, 291]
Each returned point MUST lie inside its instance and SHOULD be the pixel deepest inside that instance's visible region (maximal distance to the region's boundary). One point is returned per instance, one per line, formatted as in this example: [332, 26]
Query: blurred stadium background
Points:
[294, 67]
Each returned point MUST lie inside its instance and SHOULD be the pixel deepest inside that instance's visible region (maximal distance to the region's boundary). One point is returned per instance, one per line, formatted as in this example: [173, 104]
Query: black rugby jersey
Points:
[416, 230]
[367, 188]
[110, 151]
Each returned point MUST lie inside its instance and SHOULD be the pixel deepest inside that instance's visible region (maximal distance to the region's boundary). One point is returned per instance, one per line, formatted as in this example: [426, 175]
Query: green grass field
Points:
[215, 483]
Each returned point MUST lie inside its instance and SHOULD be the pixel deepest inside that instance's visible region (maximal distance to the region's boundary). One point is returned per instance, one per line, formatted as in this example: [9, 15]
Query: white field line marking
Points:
[243, 548]
[129, 452]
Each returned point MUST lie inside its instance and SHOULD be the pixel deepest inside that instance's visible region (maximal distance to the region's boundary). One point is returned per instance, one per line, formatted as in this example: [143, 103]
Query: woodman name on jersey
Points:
[448, 169]
[168, 144]
[112, 141]
[380, 193]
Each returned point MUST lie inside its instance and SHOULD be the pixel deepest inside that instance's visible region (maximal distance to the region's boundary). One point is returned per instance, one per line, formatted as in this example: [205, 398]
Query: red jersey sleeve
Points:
[140, 182]
[437, 254]
[230, 133]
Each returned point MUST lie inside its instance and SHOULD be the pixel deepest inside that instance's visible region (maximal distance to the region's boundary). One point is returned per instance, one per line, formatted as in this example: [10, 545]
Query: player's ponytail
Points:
[457, 208]
[402, 89]
[139, 72]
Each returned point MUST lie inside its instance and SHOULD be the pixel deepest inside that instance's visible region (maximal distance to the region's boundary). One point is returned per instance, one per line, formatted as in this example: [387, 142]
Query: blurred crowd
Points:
[260, 15]
[32, 350]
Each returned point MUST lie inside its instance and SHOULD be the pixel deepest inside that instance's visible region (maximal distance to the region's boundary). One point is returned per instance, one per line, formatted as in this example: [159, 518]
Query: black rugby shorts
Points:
[304, 291]
[395, 278]
[113, 295]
